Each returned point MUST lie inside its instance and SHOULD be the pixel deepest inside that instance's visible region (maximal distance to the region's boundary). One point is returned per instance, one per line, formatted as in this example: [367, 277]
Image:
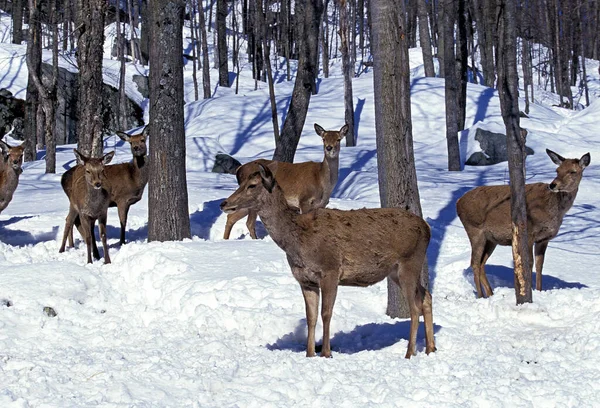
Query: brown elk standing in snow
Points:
[327, 248]
[485, 214]
[10, 170]
[306, 185]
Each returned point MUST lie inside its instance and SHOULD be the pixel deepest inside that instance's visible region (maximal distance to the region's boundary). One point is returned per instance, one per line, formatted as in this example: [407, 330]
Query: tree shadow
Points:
[482, 104]
[360, 105]
[503, 276]
[367, 337]
[20, 238]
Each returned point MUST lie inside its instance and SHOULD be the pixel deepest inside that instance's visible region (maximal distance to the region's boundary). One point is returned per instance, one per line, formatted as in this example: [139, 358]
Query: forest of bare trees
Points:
[531, 45]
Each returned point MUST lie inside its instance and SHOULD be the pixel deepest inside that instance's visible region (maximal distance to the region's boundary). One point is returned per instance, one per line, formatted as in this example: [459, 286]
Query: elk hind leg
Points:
[540, 253]
[311, 302]
[329, 287]
[232, 218]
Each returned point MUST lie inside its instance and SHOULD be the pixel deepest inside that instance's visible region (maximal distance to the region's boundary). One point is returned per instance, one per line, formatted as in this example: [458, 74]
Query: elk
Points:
[10, 170]
[88, 202]
[327, 248]
[485, 215]
[127, 180]
[306, 185]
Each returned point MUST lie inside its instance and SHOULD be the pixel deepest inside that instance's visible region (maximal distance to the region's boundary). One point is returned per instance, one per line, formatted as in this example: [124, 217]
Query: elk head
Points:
[257, 180]
[568, 173]
[94, 168]
[331, 139]
[13, 155]
[137, 141]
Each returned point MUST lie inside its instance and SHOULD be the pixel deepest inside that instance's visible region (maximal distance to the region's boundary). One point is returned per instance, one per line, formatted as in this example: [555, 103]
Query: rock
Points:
[493, 146]
[10, 109]
[49, 311]
[5, 302]
[224, 163]
[143, 85]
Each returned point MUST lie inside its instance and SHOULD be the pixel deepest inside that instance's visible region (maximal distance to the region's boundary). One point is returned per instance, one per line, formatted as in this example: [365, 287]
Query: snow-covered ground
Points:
[214, 323]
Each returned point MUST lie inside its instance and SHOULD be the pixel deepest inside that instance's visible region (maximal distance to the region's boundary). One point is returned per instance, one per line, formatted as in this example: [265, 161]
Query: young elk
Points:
[127, 180]
[485, 214]
[88, 202]
[327, 248]
[306, 185]
[10, 170]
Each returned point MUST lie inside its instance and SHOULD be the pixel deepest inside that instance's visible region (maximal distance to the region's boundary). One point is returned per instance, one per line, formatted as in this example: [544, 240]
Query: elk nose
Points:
[15, 161]
[329, 148]
[223, 204]
[98, 184]
[552, 186]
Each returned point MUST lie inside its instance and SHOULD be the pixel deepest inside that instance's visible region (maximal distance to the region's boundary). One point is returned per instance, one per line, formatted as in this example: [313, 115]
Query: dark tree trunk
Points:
[425, 39]
[194, 40]
[452, 83]
[32, 100]
[17, 21]
[90, 41]
[508, 82]
[267, 61]
[145, 34]
[168, 213]
[309, 14]
[205, 62]
[395, 159]
[462, 63]
[222, 42]
[324, 41]
[347, 70]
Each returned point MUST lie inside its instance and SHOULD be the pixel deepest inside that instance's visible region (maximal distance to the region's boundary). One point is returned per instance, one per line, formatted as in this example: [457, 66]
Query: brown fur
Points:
[306, 185]
[327, 248]
[127, 180]
[88, 202]
[485, 214]
[11, 161]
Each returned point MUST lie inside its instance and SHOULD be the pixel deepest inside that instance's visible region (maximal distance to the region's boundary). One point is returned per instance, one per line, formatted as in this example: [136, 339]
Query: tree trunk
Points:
[205, 62]
[222, 42]
[145, 34]
[395, 159]
[32, 99]
[90, 42]
[451, 85]
[347, 69]
[168, 213]
[17, 21]
[425, 39]
[310, 12]
[267, 61]
[462, 63]
[508, 82]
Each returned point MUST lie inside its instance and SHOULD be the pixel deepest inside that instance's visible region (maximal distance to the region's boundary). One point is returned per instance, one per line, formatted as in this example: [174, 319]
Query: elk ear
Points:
[4, 146]
[146, 131]
[268, 180]
[108, 157]
[81, 159]
[320, 131]
[123, 136]
[585, 161]
[555, 157]
[344, 131]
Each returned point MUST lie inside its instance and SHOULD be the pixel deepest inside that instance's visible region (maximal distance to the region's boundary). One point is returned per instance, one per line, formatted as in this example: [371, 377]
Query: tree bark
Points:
[395, 156]
[425, 39]
[310, 12]
[17, 21]
[90, 42]
[508, 82]
[168, 213]
[347, 70]
[452, 82]
[205, 62]
[222, 42]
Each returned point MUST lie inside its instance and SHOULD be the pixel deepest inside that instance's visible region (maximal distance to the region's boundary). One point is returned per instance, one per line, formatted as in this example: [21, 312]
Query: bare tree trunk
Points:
[508, 82]
[90, 41]
[17, 21]
[192, 7]
[324, 41]
[168, 213]
[451, 85]
[425, 39]
[462, 62]
[205, 62]
[395, 159]
[222, 42]
[145, 34]
[305, 85]
[267, 61]
[346, 68]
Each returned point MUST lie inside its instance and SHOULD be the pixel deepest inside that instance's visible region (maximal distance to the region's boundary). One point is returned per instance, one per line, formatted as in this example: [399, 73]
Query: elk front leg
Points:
[232, 218]
[102, 228]
[68, 228]
[329, 287]
[540, 252]
[123, 211]
[311, 302]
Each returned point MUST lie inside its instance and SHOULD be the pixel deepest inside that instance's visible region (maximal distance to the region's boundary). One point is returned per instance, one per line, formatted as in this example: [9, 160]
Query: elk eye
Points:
[251, 186]
[573, 172]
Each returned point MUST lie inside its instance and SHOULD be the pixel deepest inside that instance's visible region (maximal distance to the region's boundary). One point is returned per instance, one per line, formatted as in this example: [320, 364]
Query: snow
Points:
[211, 323]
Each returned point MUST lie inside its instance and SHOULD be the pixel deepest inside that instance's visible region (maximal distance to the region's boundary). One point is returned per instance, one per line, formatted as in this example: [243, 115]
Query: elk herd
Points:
[325, 248]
